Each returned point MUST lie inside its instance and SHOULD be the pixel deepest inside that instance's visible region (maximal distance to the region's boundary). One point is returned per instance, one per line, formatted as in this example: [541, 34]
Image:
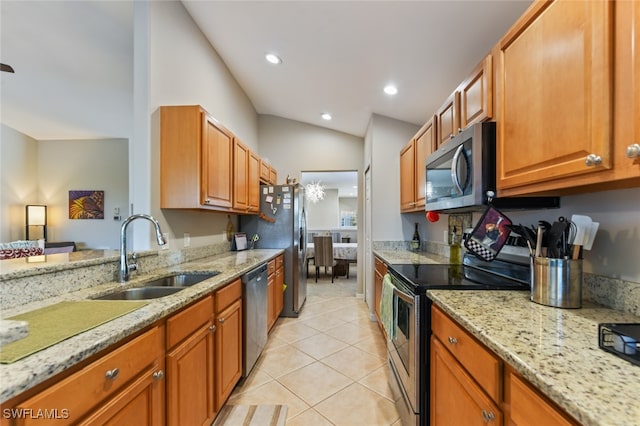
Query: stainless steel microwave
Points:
[461, 173]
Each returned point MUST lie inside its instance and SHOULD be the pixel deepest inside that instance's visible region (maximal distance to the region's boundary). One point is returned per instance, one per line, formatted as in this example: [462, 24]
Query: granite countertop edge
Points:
[32, 370]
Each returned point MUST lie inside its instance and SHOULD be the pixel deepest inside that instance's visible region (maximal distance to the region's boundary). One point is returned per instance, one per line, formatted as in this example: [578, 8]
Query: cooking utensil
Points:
[539, 240]
[591, 236]
[583, 226]
[556, 234]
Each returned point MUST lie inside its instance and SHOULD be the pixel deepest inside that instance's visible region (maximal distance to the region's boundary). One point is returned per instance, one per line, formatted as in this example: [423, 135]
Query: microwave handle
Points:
[454, 170]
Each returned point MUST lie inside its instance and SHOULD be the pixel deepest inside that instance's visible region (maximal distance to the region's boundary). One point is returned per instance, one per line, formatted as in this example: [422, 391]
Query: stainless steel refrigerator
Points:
[282, 223]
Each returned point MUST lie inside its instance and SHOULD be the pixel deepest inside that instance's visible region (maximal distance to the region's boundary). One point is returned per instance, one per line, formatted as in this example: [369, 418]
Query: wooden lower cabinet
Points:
[471, 385]
[456, 399]
[275, 293]
[228, 351]
[125, 386]
[528, 407]
[228, 345]
[378, 276]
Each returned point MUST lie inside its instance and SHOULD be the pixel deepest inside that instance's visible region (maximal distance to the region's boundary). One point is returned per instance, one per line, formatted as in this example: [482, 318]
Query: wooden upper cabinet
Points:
[217, 164]
[264, 171]
[626, 155]
[448, 119]
[407, 177]
[195, 159]
[555, 96]
[240, 175]
[273, 176]
[476, 94]
[254, 182]
[412, 168]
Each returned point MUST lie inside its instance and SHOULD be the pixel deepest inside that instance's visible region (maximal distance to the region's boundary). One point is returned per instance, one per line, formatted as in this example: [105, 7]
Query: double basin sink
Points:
[160, 287]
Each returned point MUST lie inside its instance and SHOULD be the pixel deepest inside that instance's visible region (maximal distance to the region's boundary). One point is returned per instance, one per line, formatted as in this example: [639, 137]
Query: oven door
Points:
[403, 346]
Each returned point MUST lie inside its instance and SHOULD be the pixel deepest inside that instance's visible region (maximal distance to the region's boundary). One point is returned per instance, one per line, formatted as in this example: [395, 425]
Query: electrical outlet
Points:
[445, 236]
[187, 239]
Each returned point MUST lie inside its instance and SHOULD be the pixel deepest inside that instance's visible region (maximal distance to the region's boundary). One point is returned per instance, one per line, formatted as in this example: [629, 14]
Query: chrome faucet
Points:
[125, 266]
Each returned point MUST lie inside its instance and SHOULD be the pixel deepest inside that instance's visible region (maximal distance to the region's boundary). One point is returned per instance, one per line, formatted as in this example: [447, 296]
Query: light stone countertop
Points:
[23, 374]
[555, 349]
[403, 256]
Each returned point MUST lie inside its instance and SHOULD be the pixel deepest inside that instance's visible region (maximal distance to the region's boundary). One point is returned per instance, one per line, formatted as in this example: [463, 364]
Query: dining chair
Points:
[323, 253]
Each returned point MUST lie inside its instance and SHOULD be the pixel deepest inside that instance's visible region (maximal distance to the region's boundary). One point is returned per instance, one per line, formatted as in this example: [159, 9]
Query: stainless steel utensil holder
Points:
[556, 282]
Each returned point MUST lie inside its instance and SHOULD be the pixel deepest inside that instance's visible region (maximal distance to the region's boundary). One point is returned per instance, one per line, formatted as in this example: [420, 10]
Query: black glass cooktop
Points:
[420, 277]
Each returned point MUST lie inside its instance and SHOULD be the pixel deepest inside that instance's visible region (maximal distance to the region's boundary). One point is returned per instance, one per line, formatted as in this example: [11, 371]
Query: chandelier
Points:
[314, 192]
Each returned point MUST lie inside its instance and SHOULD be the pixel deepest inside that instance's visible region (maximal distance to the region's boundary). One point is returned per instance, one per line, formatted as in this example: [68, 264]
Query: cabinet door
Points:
[555, 107]
[448, 119]
[141, 403]
[627, 92]
[456, 399]
[273, 176]
[240, 176]
[228, 351]
[190, 380]
[278, 294]
[254, 183]
[264, 171]
[407, 177]
[476, 94]
[424, 145]
[217, 161]
[529, 408]
[271, 297]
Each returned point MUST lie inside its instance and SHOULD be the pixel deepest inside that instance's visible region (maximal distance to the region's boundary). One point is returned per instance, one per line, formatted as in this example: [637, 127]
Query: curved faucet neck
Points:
[125, 267]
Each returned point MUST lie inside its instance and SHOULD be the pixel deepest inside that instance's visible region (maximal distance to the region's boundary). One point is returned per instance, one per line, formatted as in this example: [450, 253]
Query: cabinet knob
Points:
[221, 320]
[212, 328]
[158, 375]
[488, 416]
[633, 150]
[593, 160]
[453, 340]
[112, 374]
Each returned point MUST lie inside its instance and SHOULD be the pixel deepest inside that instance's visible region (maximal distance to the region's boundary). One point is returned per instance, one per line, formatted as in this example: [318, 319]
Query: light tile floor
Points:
[328, 365]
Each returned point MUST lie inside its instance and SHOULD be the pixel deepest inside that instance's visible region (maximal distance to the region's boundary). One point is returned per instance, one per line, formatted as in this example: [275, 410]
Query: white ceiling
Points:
[73, 63]
[73, 59]
[338, 55]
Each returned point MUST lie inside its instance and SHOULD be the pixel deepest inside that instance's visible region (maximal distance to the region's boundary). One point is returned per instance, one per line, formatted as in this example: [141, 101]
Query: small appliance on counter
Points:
[621, 340]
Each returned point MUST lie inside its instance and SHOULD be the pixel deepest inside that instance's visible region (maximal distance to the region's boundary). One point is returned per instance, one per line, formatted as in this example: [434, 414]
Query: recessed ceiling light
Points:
[326, 116]
[390, 89]
[273, 58]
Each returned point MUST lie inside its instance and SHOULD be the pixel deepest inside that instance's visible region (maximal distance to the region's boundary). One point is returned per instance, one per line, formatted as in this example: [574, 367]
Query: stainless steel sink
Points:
[180, 280]
[140, 293]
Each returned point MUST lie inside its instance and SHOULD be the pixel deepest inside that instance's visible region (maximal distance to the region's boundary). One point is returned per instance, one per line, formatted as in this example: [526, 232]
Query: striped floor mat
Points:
[252, 415]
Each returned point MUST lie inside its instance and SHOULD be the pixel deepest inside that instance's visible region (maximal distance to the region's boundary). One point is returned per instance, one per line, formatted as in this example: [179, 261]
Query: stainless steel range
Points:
[411, 325]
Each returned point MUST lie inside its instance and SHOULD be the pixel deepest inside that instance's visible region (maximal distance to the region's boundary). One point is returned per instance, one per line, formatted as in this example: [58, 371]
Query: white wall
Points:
[43, 172]
[18, 181]
[83, 165]
[324, 214]
[385, 139]
[186, 70]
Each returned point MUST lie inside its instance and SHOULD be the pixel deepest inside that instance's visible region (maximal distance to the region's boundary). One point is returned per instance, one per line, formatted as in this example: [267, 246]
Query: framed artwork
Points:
[86, 204]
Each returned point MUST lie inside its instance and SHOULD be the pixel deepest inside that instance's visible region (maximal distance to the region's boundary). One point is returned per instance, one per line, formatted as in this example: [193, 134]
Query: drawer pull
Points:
[488, 416]
[593, 160]
[633, 150]
[453, 340]
[158, 375]
[112, 374]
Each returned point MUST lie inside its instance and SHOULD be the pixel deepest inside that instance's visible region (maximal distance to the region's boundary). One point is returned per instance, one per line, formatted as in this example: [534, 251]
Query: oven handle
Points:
[454, 170]
[402, 295]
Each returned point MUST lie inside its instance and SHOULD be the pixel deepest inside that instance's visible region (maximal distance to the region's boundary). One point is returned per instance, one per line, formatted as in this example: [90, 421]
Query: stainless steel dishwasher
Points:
[254, 305]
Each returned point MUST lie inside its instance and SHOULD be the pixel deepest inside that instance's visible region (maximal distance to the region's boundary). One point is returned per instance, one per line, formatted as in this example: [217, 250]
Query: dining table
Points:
[342, 253]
